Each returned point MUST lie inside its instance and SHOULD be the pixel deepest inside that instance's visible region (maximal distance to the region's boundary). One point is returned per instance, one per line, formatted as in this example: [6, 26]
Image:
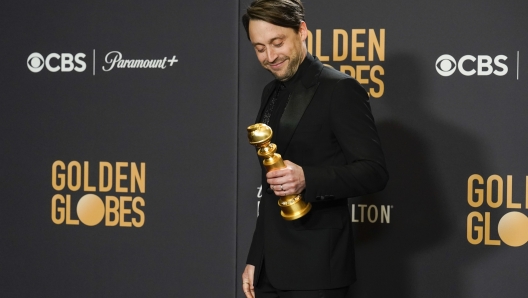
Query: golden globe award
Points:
[259, 135]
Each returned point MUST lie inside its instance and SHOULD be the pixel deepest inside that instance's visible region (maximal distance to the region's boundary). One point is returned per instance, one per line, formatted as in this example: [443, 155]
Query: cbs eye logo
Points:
[65, 62]
[446, 65]
[35, 62]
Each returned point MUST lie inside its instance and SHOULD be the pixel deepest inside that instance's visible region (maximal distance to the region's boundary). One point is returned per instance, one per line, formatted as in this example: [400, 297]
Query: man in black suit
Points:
[324, 130]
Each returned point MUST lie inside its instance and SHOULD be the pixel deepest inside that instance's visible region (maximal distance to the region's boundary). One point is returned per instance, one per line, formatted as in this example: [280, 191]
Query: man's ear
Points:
[303, 31]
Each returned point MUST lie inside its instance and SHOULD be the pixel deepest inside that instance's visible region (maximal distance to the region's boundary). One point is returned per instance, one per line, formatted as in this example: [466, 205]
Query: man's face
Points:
[279, 49]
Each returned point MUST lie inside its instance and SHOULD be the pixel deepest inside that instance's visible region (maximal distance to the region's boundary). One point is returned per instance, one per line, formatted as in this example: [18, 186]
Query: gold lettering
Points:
[489, 190]
[124, 211]
[69, 220]
[471, 228]
[359, 70]
[374, 79]
[60, 177]
[344, 35]
[487, 239]
[120, 177]
[509, 200]
[478, 192]
[356, 44]
[102, 166]
[379, 45]
[87, 186]
[77, 185]
[54, 209]
[141, 202]
[111, 211]
[136, 178]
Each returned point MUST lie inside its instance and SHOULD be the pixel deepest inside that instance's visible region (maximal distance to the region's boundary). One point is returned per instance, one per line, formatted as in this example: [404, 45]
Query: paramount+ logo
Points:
[483, 226]
[469, 65]
[67, 62]
[54, 62]
[116, 196]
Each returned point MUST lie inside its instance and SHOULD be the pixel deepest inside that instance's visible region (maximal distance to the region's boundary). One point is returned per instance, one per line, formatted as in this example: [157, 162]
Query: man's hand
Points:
[287, 181]
[247, 281]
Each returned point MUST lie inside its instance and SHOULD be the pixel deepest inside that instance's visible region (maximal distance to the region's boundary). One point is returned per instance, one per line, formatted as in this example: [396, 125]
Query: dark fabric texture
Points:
[265, 289]
[327, 128]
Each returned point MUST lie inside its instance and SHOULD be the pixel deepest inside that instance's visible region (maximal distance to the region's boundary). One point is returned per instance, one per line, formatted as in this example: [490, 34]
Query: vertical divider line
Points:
[237, 187]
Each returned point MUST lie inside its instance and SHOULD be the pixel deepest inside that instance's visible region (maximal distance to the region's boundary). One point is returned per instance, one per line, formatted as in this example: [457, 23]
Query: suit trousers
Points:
[265, 289]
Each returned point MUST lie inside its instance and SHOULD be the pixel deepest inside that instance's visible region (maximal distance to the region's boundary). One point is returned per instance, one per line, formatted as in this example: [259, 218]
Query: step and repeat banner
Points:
[125, 169]
[448, 82]
[118, 156]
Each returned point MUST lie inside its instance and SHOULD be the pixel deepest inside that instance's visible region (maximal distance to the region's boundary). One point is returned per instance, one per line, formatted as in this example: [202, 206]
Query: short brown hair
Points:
[284, 13]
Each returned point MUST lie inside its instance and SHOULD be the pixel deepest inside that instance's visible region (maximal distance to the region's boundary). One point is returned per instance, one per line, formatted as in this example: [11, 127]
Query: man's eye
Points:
[278, 45]
[260, 50]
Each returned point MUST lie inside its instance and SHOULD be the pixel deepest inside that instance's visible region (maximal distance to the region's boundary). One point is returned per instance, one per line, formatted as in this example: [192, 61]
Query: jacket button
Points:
[319, 198]
[269, 190]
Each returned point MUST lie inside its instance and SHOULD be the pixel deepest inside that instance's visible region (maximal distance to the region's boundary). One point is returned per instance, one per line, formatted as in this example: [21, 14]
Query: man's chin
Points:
[281, 76]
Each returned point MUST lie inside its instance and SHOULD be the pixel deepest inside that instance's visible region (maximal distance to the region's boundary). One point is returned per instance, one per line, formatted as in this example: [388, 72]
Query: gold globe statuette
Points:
[292, 207]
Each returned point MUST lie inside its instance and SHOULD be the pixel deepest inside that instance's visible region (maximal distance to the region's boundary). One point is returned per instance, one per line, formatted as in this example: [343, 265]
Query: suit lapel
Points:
[266, 94]
[299, 99]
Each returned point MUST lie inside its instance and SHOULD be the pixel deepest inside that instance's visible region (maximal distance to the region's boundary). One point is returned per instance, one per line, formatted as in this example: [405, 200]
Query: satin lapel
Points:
[264, 100]
[297, 104]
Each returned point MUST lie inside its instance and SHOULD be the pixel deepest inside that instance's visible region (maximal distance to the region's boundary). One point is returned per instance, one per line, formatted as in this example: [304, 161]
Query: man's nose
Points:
[271, 55]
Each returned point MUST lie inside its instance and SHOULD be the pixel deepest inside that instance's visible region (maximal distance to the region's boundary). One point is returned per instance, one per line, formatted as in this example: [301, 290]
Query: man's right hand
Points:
[247, 281]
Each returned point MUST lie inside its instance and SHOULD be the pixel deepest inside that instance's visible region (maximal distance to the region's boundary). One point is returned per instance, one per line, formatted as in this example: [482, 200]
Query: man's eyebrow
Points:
[282, 36]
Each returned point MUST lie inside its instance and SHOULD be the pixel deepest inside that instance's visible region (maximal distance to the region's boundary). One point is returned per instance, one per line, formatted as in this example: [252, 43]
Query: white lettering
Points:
[499, 64]
[484, 65]
[66, 62]
[81, 63]
[117, 58]
[259, 193]
[372, 213]
[47, 62]
[461, 64]
[373, 218]
[385, 214]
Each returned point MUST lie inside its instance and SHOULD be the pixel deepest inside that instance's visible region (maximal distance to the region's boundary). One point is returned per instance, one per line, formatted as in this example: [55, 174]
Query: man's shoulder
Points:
[331, 74]
[333, 77]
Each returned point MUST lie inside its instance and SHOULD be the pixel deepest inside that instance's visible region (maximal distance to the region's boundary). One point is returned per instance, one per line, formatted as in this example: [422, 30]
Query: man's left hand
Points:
[287, 181]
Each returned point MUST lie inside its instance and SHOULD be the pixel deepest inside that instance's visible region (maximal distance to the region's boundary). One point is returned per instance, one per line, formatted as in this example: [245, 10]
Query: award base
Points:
[293, 207]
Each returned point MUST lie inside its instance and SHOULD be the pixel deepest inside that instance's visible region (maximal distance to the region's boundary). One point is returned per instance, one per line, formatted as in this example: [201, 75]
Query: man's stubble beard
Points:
[291, 69]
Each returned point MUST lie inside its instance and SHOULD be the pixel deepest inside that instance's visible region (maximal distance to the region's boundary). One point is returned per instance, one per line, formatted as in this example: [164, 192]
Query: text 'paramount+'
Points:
[115, 59]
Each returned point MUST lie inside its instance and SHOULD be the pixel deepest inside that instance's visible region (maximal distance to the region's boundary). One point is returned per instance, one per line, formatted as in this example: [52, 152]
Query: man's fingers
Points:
[247, 281]
[246, 287]
[276, 173]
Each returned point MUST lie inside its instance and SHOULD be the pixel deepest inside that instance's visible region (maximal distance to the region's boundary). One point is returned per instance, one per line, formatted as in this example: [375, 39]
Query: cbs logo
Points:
[54, 62]
[446, 65]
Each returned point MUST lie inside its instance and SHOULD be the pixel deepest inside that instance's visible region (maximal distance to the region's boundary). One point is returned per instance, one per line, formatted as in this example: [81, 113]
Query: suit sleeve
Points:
[353, 125]
[256, 249]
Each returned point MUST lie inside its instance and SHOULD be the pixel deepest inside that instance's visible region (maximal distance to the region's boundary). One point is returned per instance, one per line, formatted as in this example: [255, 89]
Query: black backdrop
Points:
[442, 132]
[180, 121]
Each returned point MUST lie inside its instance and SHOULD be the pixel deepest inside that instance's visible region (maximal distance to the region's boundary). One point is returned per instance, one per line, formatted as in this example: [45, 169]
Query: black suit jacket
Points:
[327, 128]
